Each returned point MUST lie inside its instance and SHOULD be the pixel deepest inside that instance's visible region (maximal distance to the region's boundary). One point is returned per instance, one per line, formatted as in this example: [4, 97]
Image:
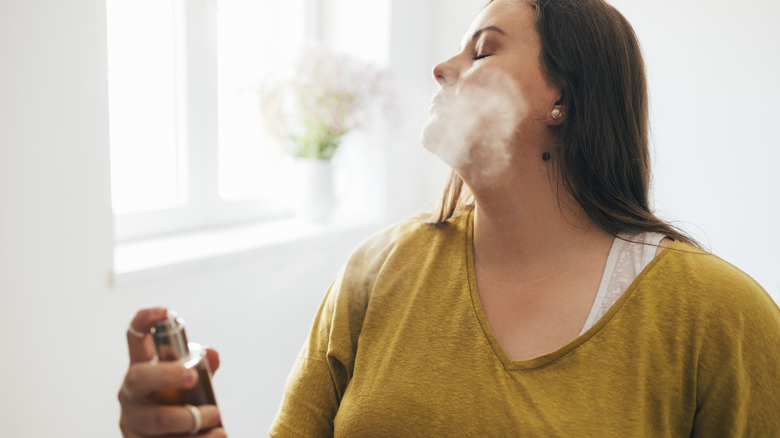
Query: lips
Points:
[438, 100]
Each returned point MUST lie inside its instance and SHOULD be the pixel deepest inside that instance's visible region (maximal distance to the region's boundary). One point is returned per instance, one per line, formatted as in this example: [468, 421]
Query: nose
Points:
[445, 73]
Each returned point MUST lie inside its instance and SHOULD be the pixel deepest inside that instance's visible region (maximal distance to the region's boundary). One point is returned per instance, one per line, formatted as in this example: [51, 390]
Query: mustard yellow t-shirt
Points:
[401, 348]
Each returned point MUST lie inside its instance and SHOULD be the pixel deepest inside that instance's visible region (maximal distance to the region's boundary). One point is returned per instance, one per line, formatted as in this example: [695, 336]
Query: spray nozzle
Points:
[170, 339]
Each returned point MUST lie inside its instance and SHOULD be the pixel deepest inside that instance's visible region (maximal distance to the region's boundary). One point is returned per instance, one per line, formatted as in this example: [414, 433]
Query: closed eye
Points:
[478, 57]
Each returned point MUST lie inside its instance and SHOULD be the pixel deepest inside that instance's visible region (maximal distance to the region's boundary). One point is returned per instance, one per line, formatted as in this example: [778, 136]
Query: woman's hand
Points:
[140, 415]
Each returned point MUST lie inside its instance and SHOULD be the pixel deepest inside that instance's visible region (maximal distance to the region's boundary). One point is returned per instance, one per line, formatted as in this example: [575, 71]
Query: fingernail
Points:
[190, 376]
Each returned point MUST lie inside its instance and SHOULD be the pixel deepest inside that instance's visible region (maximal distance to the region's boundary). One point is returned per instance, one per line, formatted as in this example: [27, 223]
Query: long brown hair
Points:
[591, 52]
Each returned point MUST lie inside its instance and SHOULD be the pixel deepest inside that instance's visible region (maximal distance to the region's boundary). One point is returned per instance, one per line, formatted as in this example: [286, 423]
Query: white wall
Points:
[62, 324]
[55, 219]
[713, 69]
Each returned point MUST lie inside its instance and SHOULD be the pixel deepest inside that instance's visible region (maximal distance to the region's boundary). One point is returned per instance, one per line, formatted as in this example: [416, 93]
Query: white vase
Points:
[315, 199]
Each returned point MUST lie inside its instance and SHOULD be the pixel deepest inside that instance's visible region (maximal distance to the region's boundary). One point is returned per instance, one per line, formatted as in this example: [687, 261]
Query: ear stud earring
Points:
[556, 114]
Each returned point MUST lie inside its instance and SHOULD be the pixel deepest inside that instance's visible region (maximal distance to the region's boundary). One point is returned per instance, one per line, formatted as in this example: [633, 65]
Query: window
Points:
[187, 146]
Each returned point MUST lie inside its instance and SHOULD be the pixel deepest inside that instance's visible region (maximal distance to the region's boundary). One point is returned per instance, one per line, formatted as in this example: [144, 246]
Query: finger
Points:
[142, 349]
[213, 358]
[217, 432]
[210, 416]
[125, 428]
[154, 420]
[145, 377]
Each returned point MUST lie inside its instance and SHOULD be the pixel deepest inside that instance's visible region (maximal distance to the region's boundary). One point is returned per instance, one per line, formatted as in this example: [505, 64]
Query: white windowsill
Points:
[156, 258]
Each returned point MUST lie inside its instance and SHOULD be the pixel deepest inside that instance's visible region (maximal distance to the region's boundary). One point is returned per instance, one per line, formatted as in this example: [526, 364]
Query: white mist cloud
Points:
[472, 128]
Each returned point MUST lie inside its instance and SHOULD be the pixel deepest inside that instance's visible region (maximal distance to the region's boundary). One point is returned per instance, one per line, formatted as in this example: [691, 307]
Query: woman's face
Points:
[494, 106]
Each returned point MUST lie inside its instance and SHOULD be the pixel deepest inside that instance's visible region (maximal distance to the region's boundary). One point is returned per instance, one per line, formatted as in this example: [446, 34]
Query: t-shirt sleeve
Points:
[738, 376]
[319, 377]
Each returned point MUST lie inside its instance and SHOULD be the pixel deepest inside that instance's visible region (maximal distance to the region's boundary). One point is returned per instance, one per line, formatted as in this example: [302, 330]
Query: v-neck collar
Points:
[545, 359]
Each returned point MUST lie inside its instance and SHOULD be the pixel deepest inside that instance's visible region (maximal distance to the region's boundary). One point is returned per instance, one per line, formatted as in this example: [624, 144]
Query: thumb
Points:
[213, 357]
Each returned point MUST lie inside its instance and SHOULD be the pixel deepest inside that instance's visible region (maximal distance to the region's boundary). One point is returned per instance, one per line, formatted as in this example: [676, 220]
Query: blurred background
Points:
[131, 176]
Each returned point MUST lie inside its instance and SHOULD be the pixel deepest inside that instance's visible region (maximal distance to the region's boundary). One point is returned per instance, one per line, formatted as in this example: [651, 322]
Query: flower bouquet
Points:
[325, 96]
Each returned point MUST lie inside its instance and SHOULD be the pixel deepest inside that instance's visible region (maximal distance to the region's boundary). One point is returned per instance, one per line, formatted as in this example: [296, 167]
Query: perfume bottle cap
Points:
[170, 339]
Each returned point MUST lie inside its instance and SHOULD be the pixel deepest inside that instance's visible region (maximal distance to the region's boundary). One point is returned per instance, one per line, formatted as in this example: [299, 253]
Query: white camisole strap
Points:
[627, 258]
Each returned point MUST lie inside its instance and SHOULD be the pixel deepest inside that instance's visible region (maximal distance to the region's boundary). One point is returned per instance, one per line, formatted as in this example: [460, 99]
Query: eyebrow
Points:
[485, 29]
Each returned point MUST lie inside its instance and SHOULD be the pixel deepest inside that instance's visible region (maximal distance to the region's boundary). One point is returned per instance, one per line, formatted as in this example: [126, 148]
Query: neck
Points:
[523, 229]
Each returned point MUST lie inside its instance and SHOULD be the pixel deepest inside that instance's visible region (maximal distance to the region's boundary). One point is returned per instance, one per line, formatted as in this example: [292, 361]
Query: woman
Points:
[545, 299]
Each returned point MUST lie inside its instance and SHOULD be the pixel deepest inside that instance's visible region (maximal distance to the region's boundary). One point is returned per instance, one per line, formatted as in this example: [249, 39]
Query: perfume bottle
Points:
[170, 340]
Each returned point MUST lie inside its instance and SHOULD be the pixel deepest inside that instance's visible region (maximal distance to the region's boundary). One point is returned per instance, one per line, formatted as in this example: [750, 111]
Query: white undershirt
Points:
[627, 259]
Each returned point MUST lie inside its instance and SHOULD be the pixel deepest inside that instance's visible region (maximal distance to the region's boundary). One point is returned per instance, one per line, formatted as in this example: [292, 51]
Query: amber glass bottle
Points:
[170, 340]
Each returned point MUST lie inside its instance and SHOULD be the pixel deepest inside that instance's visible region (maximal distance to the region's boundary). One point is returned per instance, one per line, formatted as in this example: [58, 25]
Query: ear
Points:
[557, 116]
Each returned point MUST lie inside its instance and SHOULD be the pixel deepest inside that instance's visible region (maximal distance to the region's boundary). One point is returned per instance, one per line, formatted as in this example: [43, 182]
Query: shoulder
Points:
[402, 247]
[409, 236]
[713, 287]
[694, 267]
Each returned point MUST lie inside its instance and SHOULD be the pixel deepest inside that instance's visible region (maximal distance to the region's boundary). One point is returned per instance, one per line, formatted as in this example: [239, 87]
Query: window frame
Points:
[196, 95]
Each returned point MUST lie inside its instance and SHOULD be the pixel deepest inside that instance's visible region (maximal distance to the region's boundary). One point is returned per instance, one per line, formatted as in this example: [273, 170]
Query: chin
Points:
[436, 140]
[431, 135]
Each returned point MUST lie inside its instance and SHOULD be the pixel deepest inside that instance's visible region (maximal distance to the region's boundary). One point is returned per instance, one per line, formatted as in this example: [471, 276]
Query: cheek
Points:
[499, 105]
[538, 93]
